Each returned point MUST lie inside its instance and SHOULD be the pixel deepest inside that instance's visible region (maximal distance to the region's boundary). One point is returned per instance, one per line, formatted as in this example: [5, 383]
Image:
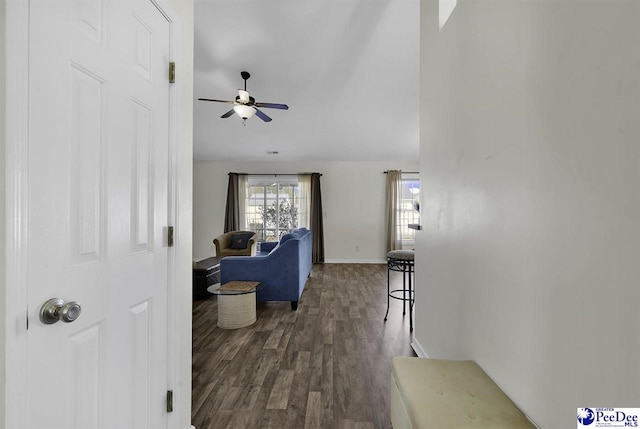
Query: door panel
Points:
[140, 320]
[141, 215]
[97, 197]
[86, 185]
[85, 383]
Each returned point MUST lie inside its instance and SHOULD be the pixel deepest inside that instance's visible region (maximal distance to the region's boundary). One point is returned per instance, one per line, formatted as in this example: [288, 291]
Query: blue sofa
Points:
[282, 267]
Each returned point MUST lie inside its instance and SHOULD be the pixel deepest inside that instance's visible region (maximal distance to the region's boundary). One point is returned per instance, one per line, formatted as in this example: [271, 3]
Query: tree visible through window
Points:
[273, 206]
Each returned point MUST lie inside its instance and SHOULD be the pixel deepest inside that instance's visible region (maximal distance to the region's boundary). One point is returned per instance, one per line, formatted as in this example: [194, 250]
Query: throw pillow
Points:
[240, 240]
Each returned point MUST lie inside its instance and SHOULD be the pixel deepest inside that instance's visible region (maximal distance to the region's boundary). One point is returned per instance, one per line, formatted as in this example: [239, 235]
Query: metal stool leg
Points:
[404, 288]
[388, 292]
[410, 300]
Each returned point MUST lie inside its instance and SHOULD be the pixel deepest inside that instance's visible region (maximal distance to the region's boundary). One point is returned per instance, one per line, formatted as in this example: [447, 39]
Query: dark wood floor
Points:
[326, 365]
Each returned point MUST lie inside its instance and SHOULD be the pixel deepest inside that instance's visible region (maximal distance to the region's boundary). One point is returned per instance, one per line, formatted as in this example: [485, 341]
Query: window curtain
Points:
[304, 201]
[243, 188]
[394, 183]
[234, 217]
[316, 220]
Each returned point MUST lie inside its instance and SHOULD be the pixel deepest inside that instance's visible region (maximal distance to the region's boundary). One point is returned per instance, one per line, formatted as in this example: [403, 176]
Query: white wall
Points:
[529, 260]
[352, 203]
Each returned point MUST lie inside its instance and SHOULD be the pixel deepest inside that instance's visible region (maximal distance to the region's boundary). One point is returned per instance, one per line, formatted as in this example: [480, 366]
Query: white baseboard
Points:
[355, 261]
[417, 347]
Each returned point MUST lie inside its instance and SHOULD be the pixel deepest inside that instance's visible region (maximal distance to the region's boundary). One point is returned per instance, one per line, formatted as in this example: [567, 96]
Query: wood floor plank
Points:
[244, 420]
[326, 385]
[302, 360]
[281, 390]
[350, 424]
[313, 415]
[274, 339]
[326, 365]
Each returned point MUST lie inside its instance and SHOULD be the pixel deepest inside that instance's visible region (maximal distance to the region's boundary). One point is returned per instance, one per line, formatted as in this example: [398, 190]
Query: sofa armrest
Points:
[267, 246]
[252, 245]
[222, 242]
[244, 268]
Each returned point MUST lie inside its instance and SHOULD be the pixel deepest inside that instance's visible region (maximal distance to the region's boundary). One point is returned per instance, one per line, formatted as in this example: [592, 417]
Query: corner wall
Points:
[530, 159]
[352, 201]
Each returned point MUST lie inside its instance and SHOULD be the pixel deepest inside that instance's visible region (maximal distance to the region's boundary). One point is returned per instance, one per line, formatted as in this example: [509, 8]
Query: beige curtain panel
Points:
[392, 196]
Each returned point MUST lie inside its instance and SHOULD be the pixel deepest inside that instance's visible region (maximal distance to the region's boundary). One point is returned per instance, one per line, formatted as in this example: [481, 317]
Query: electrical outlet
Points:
[357, 248]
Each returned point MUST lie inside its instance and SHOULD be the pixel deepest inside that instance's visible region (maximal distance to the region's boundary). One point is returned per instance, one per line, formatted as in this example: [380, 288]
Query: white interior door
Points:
[97, 211]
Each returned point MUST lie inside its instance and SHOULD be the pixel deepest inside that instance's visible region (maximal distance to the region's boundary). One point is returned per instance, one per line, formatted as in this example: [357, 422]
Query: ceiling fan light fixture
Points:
[245, 112]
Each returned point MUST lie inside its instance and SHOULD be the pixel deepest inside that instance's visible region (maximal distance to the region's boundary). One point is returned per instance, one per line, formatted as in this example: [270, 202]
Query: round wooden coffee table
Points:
[236, 303]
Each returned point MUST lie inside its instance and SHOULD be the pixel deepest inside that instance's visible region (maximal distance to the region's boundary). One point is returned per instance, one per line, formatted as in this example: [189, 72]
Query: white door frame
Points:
[17, 128]
[17, 230]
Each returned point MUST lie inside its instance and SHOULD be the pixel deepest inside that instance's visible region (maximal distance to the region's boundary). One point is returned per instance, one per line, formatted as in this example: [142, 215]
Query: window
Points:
[274, 206]
[408, 208]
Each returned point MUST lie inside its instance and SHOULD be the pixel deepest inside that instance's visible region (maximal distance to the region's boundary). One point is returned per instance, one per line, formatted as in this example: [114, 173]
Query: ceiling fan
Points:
[245, 105]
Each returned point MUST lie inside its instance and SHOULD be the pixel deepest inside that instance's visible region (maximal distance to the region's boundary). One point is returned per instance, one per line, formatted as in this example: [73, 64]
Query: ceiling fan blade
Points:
[229, 113]
[273, 106]
[218, 101]
[262, 116]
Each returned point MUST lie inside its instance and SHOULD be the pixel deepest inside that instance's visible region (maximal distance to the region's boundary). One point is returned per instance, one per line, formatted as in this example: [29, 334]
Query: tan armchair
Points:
[225, 244]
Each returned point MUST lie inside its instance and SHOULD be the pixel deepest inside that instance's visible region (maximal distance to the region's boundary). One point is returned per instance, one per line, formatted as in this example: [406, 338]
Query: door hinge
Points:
[172, 72]
[169, 236]
[169, 401]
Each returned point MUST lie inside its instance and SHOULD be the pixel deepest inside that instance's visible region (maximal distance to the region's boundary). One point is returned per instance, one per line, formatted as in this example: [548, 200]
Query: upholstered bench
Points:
[440, 394]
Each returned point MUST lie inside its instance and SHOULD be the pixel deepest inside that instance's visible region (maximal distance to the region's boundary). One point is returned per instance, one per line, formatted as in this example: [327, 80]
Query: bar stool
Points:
[401, 261]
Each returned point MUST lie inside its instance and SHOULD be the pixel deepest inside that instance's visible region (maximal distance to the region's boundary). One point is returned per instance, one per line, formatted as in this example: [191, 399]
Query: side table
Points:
[236, 303]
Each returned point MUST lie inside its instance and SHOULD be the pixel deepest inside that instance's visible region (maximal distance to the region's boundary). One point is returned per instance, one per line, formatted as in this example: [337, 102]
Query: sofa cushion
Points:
[240, 240]
[296, 233]
[287, 237]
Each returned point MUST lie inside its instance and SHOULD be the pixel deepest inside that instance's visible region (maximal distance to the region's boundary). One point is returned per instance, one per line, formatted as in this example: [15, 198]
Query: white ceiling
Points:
[348, 69]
